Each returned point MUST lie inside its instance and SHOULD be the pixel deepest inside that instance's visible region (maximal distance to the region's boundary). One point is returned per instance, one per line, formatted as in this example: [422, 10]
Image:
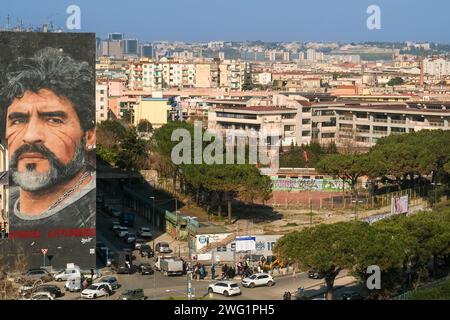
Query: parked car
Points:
[258, 279]
[351, 295]
[52, 289]
[122, 231]
[96, 290]
[115, 225]
[115, 212]
[162, 247]
[42, 296]
[146, 251]
[129, 237]
[315, 274]
[132, 294]
[37, 274]
[138, 243]
[144, 232]
[227, 288]
[145, 269]
[112, 281]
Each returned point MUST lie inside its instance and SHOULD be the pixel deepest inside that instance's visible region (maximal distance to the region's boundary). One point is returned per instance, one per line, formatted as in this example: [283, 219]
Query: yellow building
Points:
[155, 110]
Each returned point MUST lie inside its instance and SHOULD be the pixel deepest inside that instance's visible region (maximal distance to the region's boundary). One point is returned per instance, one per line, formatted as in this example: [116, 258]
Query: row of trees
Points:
[405, 158]
[406, 249]
[119, 145]
[295, 156]
[210, 185]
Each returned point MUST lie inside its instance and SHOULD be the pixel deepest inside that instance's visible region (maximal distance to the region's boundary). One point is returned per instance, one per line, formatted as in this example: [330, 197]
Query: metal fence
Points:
[362, 201]
[406, 295]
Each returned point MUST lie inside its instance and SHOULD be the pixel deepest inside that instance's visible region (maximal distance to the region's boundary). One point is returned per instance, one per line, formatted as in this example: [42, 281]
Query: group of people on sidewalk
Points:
[198, 270]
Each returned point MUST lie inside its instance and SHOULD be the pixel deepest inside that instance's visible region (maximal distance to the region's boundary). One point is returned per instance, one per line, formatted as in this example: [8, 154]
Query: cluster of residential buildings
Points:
[319, 97]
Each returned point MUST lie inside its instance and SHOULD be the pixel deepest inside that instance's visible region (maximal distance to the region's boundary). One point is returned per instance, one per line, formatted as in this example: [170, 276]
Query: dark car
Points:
[351, 295]
[112, 281]
[315, 274]
[145, 269]
[52, 289]
[132, 294]
[146, 251]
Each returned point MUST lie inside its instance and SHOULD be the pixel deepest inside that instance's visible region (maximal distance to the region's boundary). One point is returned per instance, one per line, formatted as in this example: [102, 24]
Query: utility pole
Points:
[189, 285]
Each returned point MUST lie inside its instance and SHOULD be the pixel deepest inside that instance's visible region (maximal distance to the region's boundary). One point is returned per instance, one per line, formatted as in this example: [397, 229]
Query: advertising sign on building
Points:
[399, 205]
[202, 240]
[245, 243]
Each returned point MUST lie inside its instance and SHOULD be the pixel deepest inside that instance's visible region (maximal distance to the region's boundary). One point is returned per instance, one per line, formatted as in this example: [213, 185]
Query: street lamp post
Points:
[189, 285]
[153, 211]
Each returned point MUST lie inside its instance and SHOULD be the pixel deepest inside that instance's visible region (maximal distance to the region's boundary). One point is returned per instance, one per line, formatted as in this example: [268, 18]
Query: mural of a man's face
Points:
[45, 140]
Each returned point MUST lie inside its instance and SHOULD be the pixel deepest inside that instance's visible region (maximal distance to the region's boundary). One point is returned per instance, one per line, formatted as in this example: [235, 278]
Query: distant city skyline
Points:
[243, 20]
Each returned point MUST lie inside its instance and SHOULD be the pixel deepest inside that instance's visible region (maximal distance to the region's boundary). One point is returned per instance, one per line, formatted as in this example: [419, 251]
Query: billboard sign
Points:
[399, 205]
[245, 243]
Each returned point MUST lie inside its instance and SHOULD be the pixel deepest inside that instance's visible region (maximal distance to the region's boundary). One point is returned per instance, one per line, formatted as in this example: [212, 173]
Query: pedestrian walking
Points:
[287, 296]
[213, 271]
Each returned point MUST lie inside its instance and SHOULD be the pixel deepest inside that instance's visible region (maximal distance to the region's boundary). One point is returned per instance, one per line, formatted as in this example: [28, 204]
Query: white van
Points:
[73, 284]
[71, 271]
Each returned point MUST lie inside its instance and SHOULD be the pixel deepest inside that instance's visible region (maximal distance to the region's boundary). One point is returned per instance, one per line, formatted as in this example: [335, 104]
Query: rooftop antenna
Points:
[7, 22]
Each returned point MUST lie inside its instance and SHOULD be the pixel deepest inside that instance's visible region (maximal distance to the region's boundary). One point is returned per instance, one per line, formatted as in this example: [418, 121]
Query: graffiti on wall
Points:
[309, 184]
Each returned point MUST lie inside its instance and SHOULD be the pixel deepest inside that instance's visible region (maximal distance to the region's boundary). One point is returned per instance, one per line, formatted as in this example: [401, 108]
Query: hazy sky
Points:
[266, 20]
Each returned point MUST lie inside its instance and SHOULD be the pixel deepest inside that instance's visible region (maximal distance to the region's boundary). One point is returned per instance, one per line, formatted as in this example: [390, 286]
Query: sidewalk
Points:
[321, 289]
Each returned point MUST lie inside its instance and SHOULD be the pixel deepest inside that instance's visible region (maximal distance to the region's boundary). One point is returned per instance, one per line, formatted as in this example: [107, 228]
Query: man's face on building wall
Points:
[45, 140]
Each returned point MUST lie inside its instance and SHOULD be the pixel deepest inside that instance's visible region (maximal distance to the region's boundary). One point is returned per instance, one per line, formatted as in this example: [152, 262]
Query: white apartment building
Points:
[159, 75]
[273, 121]
[364, 124]
[436, 67]
[101, 102]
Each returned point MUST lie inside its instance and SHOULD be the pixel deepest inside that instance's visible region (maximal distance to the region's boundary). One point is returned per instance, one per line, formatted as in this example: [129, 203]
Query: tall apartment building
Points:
[436, 67]
[130, 47]
[112, 48]
[206, 75]
[146, 50]
[101, 102]
[160, 75]
[115, 36]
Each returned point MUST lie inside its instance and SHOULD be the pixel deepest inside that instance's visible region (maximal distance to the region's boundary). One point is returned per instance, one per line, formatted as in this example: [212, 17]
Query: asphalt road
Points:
[158, 286]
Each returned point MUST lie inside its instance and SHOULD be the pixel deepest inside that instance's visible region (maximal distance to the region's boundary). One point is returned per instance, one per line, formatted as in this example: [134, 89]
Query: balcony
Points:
[380, 132]
[380, 120]
[362, 130]
[436, 124]
[345, 118]
[398, 121]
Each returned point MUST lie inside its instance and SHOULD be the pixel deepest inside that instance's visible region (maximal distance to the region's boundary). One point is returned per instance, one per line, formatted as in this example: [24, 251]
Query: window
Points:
[102, 99]
[288, 116]
[221, 249]
[102, 91]
[306, 133]
[306, 121]
[289, 128]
